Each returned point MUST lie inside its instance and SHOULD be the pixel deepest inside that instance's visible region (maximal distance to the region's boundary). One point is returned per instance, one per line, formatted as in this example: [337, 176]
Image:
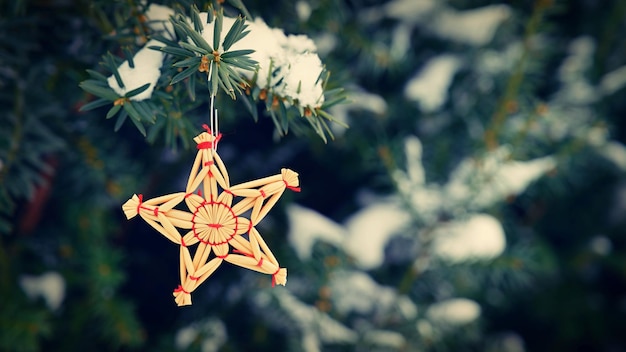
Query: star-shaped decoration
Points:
[213, 222]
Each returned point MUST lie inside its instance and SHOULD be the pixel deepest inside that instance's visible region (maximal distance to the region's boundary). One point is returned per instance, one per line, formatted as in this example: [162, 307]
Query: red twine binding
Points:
[140, 201]
[205, 145]
[180, 289]
[209, 145]
[295, 189]
[263, 193]
[274, 277]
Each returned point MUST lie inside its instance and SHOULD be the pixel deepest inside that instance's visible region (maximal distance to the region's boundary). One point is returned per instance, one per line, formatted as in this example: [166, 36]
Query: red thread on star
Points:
[274, 277]
[140, 196]
[180, 289]
[295, 189]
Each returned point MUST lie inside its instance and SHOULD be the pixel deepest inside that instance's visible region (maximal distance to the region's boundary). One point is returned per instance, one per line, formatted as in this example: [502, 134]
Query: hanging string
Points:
[211, 111]
[213, 116]
[217, 132]
[212, 120]
[213, 129]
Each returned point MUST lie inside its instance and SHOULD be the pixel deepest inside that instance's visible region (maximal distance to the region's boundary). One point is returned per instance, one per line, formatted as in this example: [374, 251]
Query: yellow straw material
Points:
[213, 221]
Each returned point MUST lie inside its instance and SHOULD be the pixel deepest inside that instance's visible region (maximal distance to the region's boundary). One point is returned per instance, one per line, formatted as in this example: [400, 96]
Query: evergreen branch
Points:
[237, 54]
[239, 5]
[285, 118]
[113, 111]
[111, 64]
[163, 40]
[129, 57]
[241, 62]
[184, 74]
[226, 81]
[175, 51]
[335, 97]
[237, 79]
[516, 78]
[235, 33]
[217, 28]
[144, 111]
[135, 117]
[121, 118]
[277, 124]
[95, 104]
[98, 89]
[96, 75]
[330, 117]
[195, 36]
[191, 61]
[194, 48]
[195, 18]
[136, 91]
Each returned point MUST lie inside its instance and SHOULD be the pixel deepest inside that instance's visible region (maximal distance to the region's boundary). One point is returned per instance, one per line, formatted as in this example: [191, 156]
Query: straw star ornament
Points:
[213, 222]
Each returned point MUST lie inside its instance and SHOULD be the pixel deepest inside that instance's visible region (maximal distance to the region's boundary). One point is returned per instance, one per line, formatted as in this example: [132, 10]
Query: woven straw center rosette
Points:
[214, 224]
